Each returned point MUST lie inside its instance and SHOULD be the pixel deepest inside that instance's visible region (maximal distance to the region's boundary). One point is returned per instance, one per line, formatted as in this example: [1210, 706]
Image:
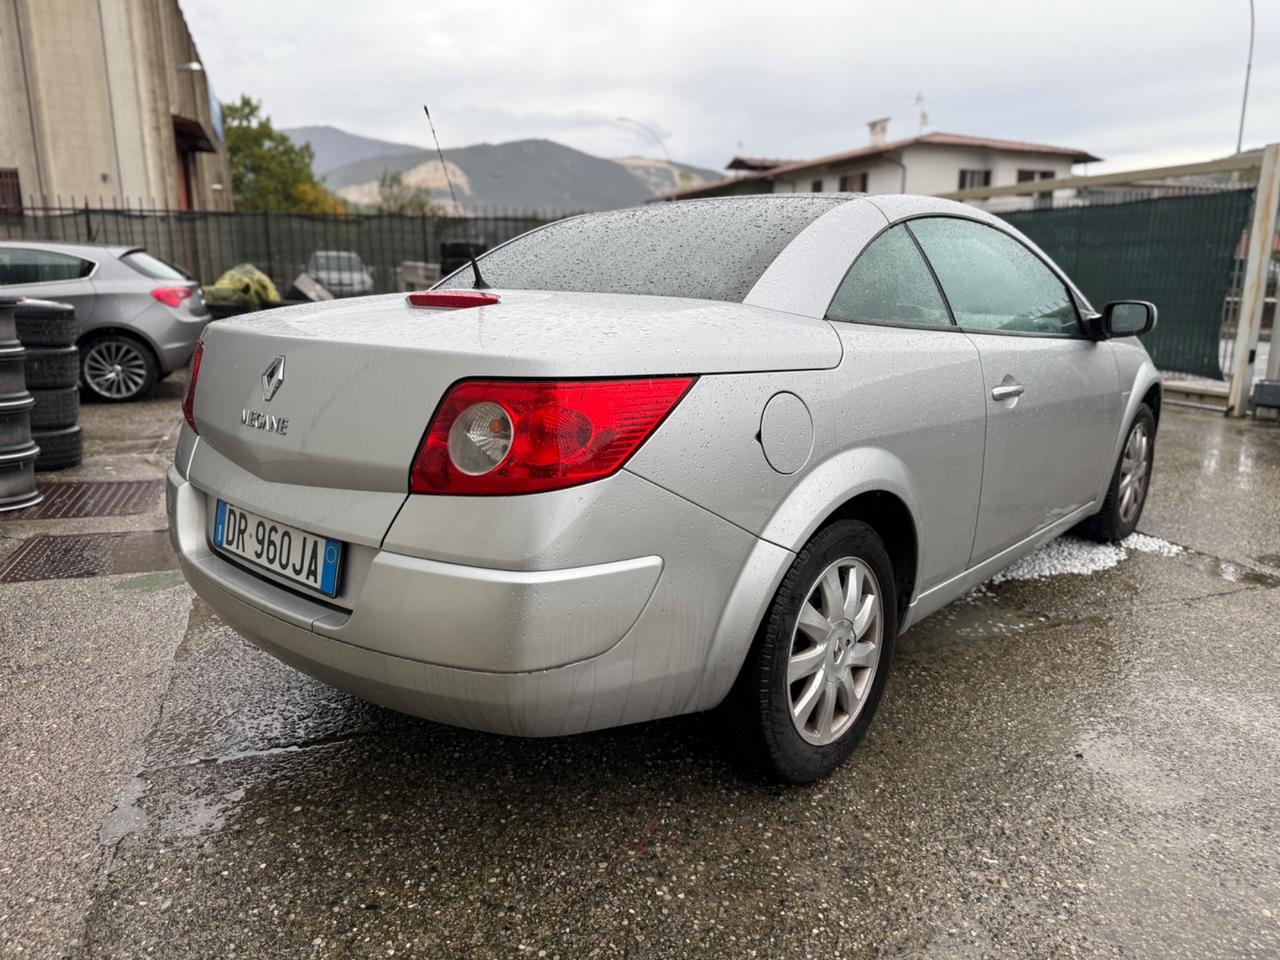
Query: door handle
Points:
[1006, 391]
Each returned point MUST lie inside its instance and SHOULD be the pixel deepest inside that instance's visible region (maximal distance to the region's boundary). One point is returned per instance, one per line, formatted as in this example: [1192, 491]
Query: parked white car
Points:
[341, 272]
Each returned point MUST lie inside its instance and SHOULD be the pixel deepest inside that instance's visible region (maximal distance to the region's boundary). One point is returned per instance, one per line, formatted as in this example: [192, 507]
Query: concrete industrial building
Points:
[107, 99]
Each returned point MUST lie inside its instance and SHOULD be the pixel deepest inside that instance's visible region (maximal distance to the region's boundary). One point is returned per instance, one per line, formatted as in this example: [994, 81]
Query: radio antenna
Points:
[475, 267]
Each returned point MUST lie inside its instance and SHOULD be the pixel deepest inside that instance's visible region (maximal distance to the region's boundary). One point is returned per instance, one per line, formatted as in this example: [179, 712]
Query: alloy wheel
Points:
[115, 369]
[1135, 469]
[835, 649]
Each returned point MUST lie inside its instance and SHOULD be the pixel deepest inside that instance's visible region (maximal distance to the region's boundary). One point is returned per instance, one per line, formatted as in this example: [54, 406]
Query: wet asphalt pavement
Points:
[1083, 765]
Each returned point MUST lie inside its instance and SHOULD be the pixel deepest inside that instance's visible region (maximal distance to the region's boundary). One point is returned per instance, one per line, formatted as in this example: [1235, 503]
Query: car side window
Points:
[993, 282]
[890, 283]
[18, 265]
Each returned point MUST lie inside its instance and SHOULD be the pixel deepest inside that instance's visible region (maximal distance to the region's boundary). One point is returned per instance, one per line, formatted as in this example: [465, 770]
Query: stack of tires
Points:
[48, 331]
[17, 451]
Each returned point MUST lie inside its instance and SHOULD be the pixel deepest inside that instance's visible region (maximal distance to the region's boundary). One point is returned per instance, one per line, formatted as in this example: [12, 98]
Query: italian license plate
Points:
[286, 551]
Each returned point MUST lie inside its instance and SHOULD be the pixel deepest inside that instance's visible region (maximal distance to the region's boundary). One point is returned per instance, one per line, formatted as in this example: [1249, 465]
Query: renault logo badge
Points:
[272, 378]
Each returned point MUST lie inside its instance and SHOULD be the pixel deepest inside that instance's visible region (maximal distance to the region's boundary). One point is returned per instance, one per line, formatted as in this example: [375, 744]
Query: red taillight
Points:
[172, 296]
[189, 401]
[453, 298]
[495, 437]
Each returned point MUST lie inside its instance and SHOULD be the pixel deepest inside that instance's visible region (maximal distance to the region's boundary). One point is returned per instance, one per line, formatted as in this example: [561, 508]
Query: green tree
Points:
[396, 196]
[268, 170]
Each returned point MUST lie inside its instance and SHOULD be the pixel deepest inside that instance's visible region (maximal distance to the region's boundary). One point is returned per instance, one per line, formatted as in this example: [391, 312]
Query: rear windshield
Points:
[152, 267]
[711, 250]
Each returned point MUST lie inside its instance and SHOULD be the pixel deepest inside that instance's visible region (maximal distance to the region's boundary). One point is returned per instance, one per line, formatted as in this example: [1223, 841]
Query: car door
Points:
[911, 385]
[1051, 394]
[49, 275]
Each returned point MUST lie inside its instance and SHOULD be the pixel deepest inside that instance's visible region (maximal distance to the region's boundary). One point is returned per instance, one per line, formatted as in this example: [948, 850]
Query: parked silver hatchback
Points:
[139, 318]
[711, 454]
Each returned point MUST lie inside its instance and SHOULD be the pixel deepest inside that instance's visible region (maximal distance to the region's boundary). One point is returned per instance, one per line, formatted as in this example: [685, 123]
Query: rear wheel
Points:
[814, 677]
[116, 367]
[1127, 495]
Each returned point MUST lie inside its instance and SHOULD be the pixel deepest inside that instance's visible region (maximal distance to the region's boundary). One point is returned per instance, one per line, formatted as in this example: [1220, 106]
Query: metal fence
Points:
[1180, 252]
[205, 244]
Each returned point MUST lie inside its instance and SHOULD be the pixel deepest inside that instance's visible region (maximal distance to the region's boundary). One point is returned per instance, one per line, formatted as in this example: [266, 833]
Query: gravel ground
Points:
[1079, 760]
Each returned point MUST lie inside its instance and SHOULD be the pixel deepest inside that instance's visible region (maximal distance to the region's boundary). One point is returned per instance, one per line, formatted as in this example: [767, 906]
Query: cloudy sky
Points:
[1136, 82]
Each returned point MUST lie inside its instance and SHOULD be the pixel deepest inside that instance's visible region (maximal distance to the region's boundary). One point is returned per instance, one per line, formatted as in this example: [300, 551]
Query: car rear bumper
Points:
[172, 333]
[525, 652]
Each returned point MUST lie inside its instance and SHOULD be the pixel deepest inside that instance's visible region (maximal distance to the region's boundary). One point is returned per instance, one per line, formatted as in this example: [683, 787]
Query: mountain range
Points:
[523, 175]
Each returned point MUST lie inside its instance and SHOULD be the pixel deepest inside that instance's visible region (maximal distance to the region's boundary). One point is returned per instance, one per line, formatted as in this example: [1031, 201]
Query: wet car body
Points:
[640, 593]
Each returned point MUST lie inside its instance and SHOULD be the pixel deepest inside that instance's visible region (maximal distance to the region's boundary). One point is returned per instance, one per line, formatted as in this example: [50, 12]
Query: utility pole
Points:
[1248, 68]
[1253, 292]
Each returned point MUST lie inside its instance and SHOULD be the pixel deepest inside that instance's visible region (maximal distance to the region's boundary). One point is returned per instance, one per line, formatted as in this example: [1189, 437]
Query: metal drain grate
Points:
[58, 558]
[89, 499]
[89, 555]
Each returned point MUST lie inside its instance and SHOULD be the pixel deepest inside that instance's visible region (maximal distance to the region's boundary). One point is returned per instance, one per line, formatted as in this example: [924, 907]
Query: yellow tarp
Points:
[245, 284]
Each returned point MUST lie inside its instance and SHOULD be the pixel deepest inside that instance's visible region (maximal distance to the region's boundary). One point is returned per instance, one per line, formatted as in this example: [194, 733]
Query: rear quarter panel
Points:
[903, 413]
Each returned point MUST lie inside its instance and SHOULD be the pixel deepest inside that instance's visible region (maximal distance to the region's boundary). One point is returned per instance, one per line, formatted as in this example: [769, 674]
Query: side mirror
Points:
[1127, 318]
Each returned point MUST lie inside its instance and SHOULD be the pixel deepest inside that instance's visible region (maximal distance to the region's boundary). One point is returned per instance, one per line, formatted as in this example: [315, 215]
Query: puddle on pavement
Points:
[126, 818]
[1143, 778]
[1047, 578]
[1036, 593]
[1235, 573]
[978, 615]
[74, 556]
[142, 553]
[151, 582]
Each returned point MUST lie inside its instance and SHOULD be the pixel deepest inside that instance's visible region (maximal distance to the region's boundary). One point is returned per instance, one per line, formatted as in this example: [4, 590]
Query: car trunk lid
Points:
[360, 380]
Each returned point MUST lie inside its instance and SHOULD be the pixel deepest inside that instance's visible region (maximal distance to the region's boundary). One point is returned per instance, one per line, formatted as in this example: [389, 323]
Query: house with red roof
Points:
[930, 163]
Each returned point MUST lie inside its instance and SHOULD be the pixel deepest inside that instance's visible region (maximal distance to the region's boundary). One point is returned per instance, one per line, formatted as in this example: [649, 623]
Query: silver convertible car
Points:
[711, 454]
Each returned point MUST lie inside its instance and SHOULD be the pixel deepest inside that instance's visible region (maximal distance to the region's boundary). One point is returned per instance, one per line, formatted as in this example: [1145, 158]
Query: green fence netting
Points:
[279, 244]
[1178, 252]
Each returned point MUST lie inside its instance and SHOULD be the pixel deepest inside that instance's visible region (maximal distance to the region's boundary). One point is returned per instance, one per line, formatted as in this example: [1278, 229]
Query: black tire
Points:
[141, 366]
[45, 324]
[1112, 522]
[757, 712]
[52, 368]
[59, 449]
[55, 408]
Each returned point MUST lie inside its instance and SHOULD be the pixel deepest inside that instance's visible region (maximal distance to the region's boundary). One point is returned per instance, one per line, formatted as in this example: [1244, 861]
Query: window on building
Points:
[1044, 198]
[969, 179]
[18, 265]
[10, 191]
[815, 187]
[853, 183]
[992, 281]
[890, 283]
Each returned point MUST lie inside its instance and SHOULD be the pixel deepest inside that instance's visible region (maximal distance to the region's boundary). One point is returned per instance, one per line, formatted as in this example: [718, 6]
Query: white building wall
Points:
[1007, 166]
[930, 169]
